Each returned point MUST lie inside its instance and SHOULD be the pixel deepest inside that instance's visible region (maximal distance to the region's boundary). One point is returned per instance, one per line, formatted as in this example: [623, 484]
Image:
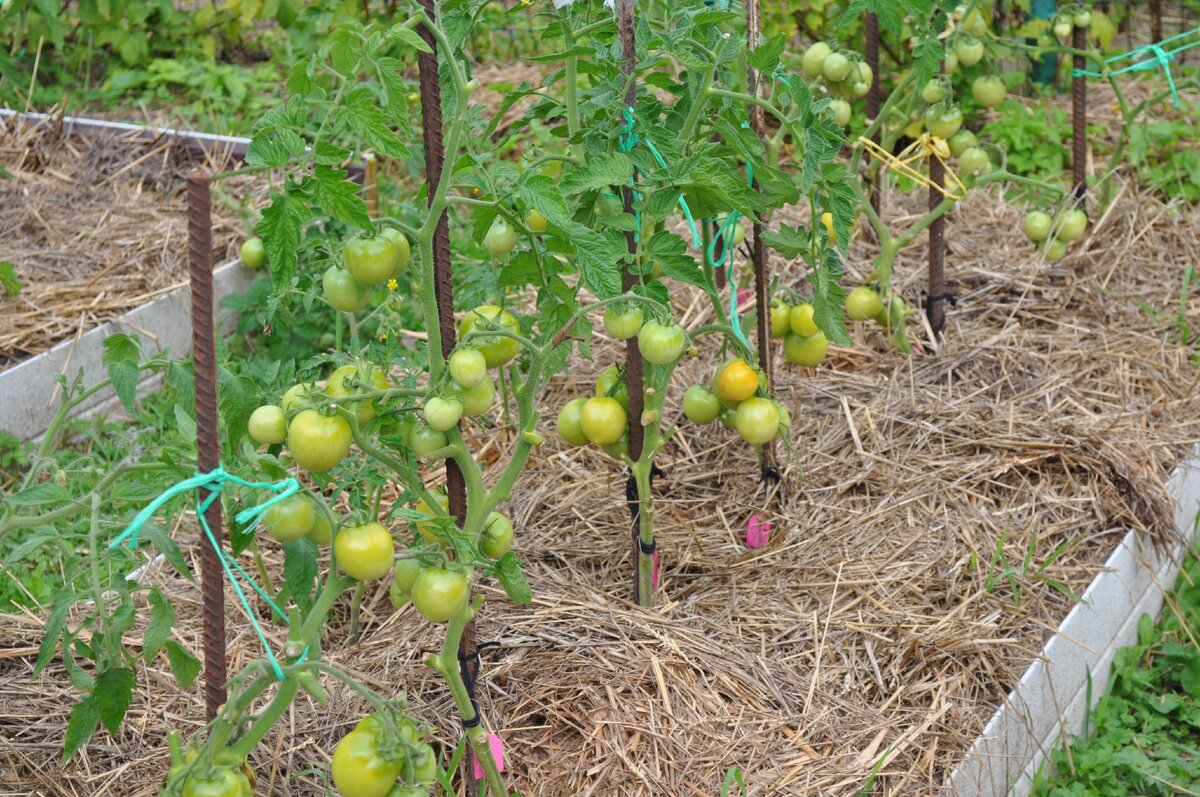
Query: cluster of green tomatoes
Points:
[738, 398]
[1051, 235]
[384, 756]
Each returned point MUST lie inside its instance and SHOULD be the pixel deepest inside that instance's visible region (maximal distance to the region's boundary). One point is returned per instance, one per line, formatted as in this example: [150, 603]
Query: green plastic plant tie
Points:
[629, 139]
[1160, 59]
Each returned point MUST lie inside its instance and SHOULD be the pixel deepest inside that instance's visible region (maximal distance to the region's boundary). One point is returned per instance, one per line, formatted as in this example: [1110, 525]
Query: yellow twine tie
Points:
[926, 146]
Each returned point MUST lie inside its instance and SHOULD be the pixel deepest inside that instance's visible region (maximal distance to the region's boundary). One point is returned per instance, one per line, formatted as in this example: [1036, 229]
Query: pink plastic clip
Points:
[497, 745]
[758, 532]
[654, 571]
[745, 296]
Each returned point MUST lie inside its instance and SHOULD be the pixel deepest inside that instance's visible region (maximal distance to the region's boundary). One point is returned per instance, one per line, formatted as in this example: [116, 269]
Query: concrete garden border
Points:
[1052, 696]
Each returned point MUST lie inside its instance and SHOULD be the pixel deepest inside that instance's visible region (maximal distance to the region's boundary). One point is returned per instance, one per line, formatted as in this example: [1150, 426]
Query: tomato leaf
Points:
[791, 242]
[828, 299]
[274, 147]
[85, 716]
[112, 694]
[362, 113]
[541, 193]
[158, 630]
[120, 357]
[53, 630]
[39, 494]
[184, 666]
[765, 57]
[300, 572]
[338, 197]
[599, 257]
[395, 88]
[410, 37]
[162, 542]
[512, 579]
[281, 227]
[9, 280]
[600, 172]
[671, 250]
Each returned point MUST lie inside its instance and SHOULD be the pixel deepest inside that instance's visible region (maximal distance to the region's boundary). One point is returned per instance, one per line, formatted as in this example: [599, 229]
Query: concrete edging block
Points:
[1052, 696]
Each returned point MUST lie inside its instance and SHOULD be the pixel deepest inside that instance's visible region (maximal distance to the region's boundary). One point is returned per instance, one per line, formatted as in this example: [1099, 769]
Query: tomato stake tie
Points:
[926, 146]
[215, 482]
[1159, 58]
[758, 532]
[497, 747]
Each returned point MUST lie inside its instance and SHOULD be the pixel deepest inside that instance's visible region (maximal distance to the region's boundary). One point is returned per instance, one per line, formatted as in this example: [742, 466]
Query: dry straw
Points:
[867, 627]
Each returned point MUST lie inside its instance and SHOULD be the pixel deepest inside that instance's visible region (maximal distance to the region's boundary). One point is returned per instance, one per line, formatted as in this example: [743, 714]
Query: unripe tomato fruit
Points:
[268, 425]
[401, 249]
[738, 233]
[1037, 225]
[429, 529]
[359, 769]
[933, 92]
[701, 405]
[221, 783]
[914, 128]
[342, 291]
[341, 384]
[295, 396]
[780, 318]
[369, 260]
[1062, 29]
[1082, 19]
[1072, 226]
[290, 519]
[364, 552]
[969, 50]
[501, 238]
[1054, 250]
[475, 400]
[841, 112]
[497, 349]
[801, 320]
[569, 423]
[497, 535]
[439, 594]
[618, 450]
[976, 24]
[988, 90]
[836, 68]
[736, 380]
[424, 767]
[318, 442]
[623, 323]
[609, 383]
[863, 304]
[602, 420]
[468, 367]
[253, 254]
[442, 414]
[322, 530]
[660, 343]
[951, 62]
[403, 576]
[943, 122]
[757, 420]
[424, 441]
[536, 221]
[961, 141]
[809, 352]
[814, 59]
[974, 162]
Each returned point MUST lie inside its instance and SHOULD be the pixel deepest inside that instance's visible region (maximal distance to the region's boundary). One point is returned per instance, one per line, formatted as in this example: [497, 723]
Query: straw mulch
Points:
[875, 627]
[95, 226]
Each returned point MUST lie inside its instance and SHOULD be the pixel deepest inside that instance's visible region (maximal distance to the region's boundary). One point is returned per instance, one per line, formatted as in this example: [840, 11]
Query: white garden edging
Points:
[29, 394]
[1052, 696]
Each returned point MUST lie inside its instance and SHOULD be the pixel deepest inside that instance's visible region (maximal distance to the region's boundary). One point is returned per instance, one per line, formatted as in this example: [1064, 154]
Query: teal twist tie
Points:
[1160, 58]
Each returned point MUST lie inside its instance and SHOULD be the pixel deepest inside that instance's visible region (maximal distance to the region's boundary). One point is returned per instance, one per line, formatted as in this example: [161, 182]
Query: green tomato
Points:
[1054, 250]
[974, 162]
[1062, 29]
[943, 121]
[403, 576]
[497, 349]
[801, 320]
[976, 24]
[933, 92]
[497, 536]
[501, 238]
[318, 442]
[836, 68]
[809, 352]
[602, 420]
[359, 769]
[611, 384]
[430, 530]
[1072, 225]
[701, 405]
[623, 323]
[536, 221]
[661, 344]
[950, 62]
[988, 90]
[220, 783]
[424, 765]
[253, 254]
[863, 304]
[401, 248]
[1082, 19]
[618, 450]
[364, 552]
[291, 518]
[757, 420]
[342, 291]
[569, 423]
[914, 128]
[813, 61]
[468, 367]
[961, 141]
[268, 425]
[322, 531]
[341, 384]
[369, 260]
[1037, 225]
[841, 112]
[475, 400]
[969, 50]
[780, 318]
[439, 593]
[296, 397]
[424, 441]
[442, 414]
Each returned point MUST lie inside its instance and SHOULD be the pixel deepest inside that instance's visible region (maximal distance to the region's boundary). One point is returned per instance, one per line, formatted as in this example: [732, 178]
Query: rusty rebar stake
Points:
[1156, 17]
[208, 432]
[935, 301]
[435, 155]
[634, 378]
[871, 28]
[762, 277]
[1079, 115]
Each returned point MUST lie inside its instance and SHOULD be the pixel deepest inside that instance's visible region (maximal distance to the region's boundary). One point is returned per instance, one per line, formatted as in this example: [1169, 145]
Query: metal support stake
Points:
[435, 154]
[874, 93]
[1079, 116]
[935, 301]
[208, 434]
